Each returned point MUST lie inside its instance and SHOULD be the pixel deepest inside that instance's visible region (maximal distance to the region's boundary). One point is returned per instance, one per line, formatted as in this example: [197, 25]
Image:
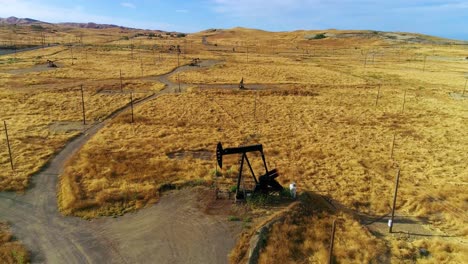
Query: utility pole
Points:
[247, 54]
[365, 60]
[424, 66]
[404, 101]
[131, 104]
[71, 51]
[141, 65]
[8, 144]
[178, 55]
[121, 84]
[178, 80]
[464, 89]
[330, 252]
[390, 223]
[393, 145]
[378, 95]
[83, 105]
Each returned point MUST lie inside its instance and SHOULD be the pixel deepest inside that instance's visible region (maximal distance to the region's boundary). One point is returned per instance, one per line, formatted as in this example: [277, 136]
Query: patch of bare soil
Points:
[63, 127]
[459, 96]
[407, 227]
[196, 154]
[35, 68]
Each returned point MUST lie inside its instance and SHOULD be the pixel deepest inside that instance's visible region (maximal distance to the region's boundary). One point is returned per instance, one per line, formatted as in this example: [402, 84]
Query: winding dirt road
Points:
[175, 230]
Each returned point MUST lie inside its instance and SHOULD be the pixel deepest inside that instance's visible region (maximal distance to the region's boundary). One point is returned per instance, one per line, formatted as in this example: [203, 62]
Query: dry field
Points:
[326, 112]
[322, 128]
[11, 251]
[42, 106]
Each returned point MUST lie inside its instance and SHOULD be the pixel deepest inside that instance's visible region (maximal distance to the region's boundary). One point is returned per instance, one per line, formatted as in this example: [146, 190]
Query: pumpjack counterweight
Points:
[264, 184]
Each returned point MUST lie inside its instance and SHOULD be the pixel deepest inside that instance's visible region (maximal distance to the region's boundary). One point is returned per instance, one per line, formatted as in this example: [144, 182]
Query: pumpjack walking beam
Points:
[220, 152]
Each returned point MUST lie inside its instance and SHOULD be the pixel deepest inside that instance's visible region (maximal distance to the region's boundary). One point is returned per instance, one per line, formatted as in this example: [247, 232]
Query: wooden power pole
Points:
[390, 224]
[330, 252]
[121, 84]
[83, 105]
[8, 144]
[131, 104]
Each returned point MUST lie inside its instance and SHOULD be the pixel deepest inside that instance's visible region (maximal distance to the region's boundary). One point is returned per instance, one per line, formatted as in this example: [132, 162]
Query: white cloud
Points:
[128, 5]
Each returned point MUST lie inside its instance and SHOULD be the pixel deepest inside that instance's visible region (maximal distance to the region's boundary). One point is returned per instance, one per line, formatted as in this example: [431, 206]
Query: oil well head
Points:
[265, 184]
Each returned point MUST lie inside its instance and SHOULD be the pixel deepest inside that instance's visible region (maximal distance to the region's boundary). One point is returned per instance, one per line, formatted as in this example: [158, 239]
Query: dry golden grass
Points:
[269, 70]
[41, 120]
[308, 241]
[301, 233]
[437, 251]
[321, 128]
[296, 133]
[42, 106]
[11, 251]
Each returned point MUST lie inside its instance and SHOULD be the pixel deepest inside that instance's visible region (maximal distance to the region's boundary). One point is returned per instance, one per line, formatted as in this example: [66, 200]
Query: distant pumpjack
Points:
[195, 62]
[51, 64]
[241, 84]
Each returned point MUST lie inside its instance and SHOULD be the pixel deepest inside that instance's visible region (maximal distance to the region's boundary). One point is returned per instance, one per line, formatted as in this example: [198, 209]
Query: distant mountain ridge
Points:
[29, 21]
[20, 21]
[91, 25]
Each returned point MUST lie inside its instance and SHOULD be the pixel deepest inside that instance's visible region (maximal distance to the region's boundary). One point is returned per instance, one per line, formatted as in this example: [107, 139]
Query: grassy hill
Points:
[338, 111]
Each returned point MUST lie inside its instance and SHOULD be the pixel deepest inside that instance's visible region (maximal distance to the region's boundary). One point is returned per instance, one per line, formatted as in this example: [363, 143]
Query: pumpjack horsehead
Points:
[265, 183]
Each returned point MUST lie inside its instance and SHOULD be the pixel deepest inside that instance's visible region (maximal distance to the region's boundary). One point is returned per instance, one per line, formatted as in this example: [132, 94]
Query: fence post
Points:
[83, 105]
[121, 84]
[393, 145]
[330, 252]
[404, 101]
[8, 144]
[464, 89]
[390, 225]
[378, 95]
[131, 104]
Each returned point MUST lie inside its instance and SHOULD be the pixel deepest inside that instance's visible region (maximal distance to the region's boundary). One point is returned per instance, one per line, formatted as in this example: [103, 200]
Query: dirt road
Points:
[175, 230]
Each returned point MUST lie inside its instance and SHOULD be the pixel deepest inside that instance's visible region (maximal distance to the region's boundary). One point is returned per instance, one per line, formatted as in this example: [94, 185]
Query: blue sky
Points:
[434, 17]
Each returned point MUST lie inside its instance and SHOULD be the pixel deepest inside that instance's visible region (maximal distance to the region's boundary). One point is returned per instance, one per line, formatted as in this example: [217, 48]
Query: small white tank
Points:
[293, 189]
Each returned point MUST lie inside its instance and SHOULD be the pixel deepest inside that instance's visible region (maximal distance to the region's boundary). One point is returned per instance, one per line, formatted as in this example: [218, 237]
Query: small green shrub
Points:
[216, 173]
[286, 193]
[258, 200]
[230, 172]
[233, 189]
[320, 36]
[12, 60]
[37, 28]
[233, 218]
[316, 36]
